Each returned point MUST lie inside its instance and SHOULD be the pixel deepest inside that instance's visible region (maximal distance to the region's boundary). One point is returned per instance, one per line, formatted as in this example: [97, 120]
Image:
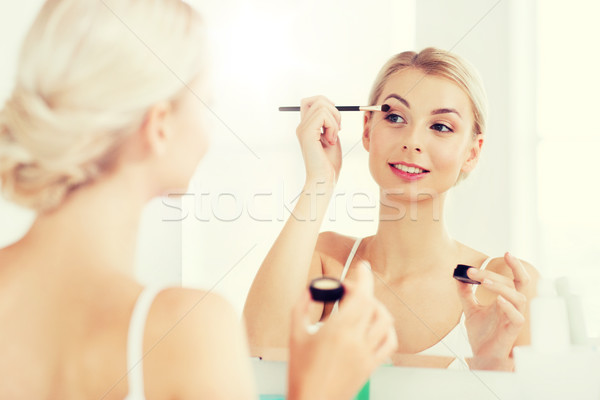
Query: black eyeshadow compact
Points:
[326, 289]
[460, 274]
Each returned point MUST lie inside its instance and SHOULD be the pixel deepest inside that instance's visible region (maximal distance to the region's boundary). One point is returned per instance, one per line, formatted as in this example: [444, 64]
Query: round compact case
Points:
[326, 289]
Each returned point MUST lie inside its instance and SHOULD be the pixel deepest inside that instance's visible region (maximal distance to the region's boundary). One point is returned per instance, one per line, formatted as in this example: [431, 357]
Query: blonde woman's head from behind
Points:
[101, 83]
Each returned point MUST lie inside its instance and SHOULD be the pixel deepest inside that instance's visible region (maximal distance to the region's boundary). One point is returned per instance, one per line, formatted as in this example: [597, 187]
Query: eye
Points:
[441, 128]
[395, 118]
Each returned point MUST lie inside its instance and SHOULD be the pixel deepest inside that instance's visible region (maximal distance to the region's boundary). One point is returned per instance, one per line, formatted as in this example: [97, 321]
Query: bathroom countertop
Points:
[409, 383]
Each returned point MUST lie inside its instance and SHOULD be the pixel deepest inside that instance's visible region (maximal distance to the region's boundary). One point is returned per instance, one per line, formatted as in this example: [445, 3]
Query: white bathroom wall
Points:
[14, 21]
[567, 150]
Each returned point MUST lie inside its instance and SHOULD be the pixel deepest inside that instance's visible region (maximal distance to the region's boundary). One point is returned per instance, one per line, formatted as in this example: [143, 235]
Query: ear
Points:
[473, 153]
[156, 132]
[366, 137]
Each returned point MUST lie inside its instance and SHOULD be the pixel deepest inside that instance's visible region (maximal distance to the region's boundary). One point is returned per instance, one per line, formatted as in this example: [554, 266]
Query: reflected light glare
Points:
[253, 48]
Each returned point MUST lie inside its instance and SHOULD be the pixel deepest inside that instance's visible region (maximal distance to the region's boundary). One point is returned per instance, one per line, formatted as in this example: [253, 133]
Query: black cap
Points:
[460, 273]
[326, 289]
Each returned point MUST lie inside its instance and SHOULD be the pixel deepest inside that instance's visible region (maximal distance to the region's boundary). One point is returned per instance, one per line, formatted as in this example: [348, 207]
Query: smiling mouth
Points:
[409, 170]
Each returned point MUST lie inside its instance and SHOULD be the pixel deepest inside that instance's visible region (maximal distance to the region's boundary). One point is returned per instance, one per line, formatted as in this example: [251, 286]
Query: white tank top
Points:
[135, 342]
[454, 344]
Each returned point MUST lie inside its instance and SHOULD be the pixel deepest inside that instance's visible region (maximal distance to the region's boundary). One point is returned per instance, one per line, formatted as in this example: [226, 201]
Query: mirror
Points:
[270, 54]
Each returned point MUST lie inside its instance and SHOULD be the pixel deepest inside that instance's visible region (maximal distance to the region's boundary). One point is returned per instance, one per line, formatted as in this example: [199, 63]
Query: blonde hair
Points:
[440, 63]
[88, 72]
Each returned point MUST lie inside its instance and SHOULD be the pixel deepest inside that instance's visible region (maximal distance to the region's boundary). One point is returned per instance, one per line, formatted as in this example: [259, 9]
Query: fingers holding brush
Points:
[318, 136]
[320, 124]
[320, 119]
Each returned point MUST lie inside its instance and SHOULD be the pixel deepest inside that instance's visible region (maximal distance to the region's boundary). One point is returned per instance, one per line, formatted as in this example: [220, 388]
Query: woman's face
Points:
[418, 149]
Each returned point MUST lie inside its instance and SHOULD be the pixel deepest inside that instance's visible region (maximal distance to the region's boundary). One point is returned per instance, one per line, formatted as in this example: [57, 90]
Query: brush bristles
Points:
[384, 108]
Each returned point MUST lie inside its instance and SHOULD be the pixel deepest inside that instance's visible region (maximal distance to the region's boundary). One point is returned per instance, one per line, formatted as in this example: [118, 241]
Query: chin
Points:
[408, 191]
[409, 196]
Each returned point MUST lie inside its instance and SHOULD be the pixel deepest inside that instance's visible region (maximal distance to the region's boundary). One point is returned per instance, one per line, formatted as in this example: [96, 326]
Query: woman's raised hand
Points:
[494, 328]
[336, 361]
[318, 135]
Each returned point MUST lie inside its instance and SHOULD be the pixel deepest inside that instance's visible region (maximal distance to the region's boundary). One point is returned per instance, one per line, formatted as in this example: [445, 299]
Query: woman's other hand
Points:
[494, 328]
[336, 361]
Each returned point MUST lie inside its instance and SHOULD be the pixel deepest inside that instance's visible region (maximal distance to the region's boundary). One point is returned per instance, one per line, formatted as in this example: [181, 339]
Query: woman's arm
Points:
[292, 260]
[195, 348]
[282, 277]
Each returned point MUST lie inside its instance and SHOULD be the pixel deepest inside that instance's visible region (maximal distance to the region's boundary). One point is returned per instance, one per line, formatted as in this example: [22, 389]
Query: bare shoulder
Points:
[200, 337]
[334, 247]
[193, 303]
[500, 266]
[188, 313]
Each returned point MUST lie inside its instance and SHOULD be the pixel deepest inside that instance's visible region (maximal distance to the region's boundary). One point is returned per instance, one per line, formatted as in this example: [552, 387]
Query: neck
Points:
[411, 238]
[95, 227]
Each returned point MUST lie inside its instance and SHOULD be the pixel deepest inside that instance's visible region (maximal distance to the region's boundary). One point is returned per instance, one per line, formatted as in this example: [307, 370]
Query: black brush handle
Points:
[340, 108]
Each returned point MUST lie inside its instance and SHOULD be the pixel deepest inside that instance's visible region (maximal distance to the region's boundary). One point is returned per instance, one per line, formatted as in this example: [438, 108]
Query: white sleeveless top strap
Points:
[346, 267]
[485, 263]
[483, 267]
[135, 342]
[350, 258]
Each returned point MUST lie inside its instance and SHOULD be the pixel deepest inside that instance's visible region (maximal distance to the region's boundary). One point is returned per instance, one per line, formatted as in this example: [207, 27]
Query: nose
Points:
[410, 140]
[416, 149]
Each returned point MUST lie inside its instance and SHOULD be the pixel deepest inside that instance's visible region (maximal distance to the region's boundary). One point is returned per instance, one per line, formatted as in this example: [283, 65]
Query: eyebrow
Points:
[399, 98]
[434, 112]
[446, 111]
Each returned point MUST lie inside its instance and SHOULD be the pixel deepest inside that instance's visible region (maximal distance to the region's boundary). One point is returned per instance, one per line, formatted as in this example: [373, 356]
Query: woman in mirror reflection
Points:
[429, 140]
[106, 113]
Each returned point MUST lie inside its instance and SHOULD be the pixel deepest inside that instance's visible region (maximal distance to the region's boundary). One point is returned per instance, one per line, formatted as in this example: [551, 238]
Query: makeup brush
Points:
[383, 107]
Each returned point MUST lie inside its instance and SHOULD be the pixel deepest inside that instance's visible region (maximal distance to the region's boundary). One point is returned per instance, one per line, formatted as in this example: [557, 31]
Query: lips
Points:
[408, 171]
[410, 168]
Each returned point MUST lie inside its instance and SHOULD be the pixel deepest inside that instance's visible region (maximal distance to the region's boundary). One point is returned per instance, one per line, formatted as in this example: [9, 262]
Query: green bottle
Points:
[364, 393]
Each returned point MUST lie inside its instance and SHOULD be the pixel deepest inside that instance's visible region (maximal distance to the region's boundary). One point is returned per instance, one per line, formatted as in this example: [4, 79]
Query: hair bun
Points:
[71, 110]
[26, 179]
